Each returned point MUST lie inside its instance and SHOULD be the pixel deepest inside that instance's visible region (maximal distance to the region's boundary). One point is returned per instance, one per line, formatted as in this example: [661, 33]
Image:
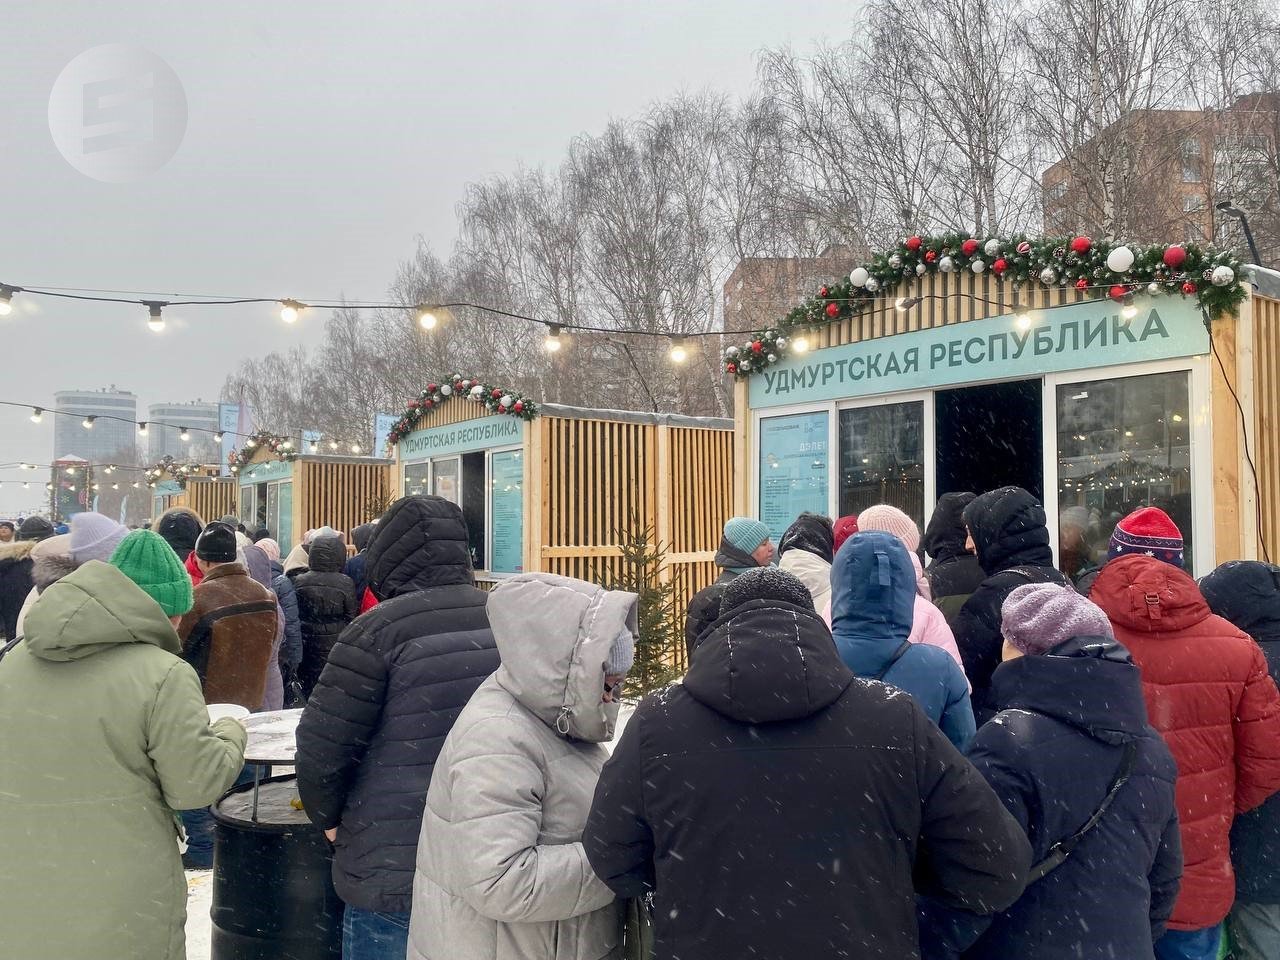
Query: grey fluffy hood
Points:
[554, 635]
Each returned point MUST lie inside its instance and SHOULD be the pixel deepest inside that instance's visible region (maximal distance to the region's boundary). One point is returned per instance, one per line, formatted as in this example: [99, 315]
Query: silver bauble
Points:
[1223, 276]
[895, 261]
[977, 266]
[732, 352]
[780, 343]
[872, 285]
[992, 247]
[946, 265]
[772, 358]
[1048, 276]
[1153, 288]
[920, 269]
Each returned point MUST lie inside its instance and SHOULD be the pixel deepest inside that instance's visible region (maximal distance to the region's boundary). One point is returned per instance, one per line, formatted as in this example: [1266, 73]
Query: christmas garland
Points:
[181, 472]
[1115, 270]
[495, 399]
[282, 447]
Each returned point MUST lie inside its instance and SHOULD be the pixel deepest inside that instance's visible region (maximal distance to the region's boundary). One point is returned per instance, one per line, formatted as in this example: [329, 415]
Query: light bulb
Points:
[185, 435]
[115, 486]
[142, 428]
[136, 484]
[678, 352]
[1129, 311]
[26, 486]
[552, 341]
[217, 437]
[333, 444]
[314, 446]
[37, 414]
[1022, 321]
[426, 319]
[289, 310]
[88, 422]
[355, 448]
[155, 322]
[71, 471]
[800, 344]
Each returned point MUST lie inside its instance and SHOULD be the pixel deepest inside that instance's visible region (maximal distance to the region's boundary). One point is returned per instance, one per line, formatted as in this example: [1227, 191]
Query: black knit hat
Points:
[765, 583]
[217, 544]
[35, 528]
[180, 529]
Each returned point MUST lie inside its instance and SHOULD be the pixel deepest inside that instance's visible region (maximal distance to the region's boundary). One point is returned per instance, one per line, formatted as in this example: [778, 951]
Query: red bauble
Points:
[413, 404]
[431, 388]
[970, 247]
[930, 256]
[732, 367]
[518, 406]
[833, 309]
[1118, 291]
[1081, 245]
[429, 404]
[1000, 266]
[756, 346]
[1024, 248]
[1175, 257]
[822, 292]
[914, 243]
[1188, 288]
[1082, 283]
[495, 393]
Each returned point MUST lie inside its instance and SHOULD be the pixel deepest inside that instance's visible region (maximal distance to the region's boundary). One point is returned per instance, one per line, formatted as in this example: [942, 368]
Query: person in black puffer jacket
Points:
[394, 685]
[326, 604]
[745, 546]
[355, 567]
[1010, 534]
[954, 572]
[776, 806]
[1247, 593]
[1072, 714]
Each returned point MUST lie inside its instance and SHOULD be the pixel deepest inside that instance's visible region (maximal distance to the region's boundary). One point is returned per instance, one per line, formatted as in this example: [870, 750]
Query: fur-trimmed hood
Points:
[48, 568]
[16, 550]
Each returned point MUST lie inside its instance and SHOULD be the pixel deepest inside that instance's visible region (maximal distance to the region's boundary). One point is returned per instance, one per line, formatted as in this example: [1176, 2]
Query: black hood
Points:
[420, 542]
[812, 533]
[1089, 682]
[945, 536]
[362, 534]
[765, 661]
[729, 557]
[180, 528]
[1009, 530]
[1246, 592]
[327, 555]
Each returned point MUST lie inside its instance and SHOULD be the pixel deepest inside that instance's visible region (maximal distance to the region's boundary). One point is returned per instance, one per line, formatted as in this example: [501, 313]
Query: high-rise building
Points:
[761, 290]
[113, 434]
[165, 423]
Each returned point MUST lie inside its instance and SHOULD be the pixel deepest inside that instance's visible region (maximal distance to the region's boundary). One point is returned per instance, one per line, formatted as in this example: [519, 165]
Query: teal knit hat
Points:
[146, 559]
[746, 534]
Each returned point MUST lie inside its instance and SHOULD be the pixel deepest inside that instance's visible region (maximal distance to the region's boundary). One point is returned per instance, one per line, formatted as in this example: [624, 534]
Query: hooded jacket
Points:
[704, 608]
[1051, 754]
[50, 562]
[229, 634]
[873, 589]
[1012, 540]
[394, 684]
[778, 807]
[105, 736]
[259, 566]
[15, 582]
[326, 604]
[291, 643]
[501, 868]
[806, 551]
[953, 571]
[355, 567]
[1209, 694]
[1247, 594]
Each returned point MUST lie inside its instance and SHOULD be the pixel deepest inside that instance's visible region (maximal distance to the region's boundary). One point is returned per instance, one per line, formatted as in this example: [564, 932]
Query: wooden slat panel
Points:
[1266, 432]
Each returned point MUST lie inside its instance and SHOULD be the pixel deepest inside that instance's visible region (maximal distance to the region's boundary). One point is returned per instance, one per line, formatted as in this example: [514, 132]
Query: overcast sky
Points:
[322, 139]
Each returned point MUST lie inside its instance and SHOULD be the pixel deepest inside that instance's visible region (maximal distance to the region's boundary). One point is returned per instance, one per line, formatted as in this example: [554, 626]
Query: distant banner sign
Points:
[1076, 337]
[462, 437]
[228, 417]
[382, 425]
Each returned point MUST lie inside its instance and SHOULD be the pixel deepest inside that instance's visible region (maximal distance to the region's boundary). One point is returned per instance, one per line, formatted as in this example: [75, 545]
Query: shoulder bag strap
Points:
[897, 655]
[1062, 849]
[9, 646]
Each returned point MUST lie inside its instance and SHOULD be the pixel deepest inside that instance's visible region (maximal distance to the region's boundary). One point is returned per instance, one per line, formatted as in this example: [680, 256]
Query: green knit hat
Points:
[145, 558]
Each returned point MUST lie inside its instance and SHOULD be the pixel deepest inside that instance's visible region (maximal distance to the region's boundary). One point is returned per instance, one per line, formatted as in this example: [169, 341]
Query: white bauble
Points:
[505, 400]
[1222, 276]
[772, 358]
[1048, 277]
[1120, 260]
[920, 269]
[872, 284]
[446, 390]
[992, 247]
[977, 266]
[1153, 288]
[476, 391]
[859, 276]
[895, 261]
[731, 352]
[946, 265]
[780, 343]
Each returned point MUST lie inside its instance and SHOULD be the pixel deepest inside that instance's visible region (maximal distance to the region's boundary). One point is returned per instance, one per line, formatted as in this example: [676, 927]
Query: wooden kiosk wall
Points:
[588, 473]
[342, 492]
[1265, 439]
[213, 497]
[958, 298]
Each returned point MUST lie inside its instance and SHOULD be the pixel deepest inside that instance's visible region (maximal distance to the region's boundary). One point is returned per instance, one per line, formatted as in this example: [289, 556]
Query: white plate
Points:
[233, 710]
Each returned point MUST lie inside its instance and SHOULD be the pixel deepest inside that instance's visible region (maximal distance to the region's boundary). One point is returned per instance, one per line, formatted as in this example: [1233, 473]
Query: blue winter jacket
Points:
[873, 591]
[1051, 755]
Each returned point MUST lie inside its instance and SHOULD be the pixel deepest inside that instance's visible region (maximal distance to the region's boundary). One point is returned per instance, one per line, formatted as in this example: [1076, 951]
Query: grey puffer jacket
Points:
[502, 873]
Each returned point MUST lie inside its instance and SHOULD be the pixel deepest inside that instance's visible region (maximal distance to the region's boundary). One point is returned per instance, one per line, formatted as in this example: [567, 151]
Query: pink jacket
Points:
[928, 625]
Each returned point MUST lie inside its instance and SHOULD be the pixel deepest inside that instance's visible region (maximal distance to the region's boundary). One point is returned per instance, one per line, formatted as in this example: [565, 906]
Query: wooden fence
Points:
[340, 493]
[213, 497]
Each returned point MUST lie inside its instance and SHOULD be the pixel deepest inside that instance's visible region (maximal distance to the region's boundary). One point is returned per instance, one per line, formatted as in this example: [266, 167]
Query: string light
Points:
[355, 448]
[678, 353]
[185, 435]
[217, 437]
[800, 344]
[26, 485]
[426, 319]
[6, 299]
[88, 422]
[333, 444]
[552, 341]
[290, 310]
[142, 428]
[37, 414]
[155, 322]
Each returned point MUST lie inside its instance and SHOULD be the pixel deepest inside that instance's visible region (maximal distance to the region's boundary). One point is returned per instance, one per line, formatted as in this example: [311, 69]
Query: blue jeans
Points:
[199, 826]
[367, 935]
[1255, 927]
[1189, 944]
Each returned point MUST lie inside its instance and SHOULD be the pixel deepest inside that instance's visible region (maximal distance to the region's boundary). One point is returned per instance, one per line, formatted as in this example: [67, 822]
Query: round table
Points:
[272, 742]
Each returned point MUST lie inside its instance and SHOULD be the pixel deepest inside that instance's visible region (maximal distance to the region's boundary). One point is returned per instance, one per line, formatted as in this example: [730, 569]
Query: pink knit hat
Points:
[891, 520]
[1038, 616]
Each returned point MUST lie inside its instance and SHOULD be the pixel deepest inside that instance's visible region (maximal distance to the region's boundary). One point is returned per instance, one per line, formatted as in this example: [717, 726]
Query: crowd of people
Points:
[887, 743]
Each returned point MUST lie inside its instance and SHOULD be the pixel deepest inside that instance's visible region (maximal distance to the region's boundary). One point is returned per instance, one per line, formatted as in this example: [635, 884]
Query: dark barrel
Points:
[273, 896]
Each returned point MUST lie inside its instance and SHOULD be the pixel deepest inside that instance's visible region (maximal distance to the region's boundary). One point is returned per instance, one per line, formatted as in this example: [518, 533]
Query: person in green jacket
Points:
[103, 735]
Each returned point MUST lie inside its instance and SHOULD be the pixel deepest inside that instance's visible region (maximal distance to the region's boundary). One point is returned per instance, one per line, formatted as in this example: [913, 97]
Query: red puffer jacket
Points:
[1209, 694]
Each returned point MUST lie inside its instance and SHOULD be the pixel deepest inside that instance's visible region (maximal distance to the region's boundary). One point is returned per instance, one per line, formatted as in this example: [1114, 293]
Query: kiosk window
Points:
[446, 479]
[506, 512]
[793, 469]
[283, 530]
[416, 479]
[473, 505]
[882, 458]
[248, 502]
[1122, 444]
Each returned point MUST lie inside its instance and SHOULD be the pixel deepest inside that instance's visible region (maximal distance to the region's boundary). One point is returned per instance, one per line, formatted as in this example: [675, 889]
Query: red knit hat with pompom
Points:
[1148, 532]
[843, 529]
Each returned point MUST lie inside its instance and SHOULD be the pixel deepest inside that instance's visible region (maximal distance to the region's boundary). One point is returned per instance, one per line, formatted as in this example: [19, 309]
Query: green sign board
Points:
[497, 431]
[1076, 337]
[506, 516]
[793, 469]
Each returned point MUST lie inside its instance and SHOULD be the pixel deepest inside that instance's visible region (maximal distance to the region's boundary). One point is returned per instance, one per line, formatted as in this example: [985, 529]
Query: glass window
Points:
[416, 479]
[794, 469]
[1122, 444]
[248, 502]
[506, 512]
[273, 507]
[446, 480]
[474, 503]
[882, 458]
[284, 527]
